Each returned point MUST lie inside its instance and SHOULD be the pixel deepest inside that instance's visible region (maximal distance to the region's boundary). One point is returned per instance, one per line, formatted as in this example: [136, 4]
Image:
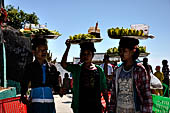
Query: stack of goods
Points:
[142, 50]
[92, 36]
[82, 37]
[94, 31]
[117, 33]
[45, 32]
[40, 32]
[124, 32]
[115, 52]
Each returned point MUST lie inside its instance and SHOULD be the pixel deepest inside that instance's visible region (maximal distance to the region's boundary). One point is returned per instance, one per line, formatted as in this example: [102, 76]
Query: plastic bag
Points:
[155, 82]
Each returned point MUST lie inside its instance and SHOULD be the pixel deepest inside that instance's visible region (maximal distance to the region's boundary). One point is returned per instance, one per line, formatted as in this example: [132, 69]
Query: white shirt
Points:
[109, 67]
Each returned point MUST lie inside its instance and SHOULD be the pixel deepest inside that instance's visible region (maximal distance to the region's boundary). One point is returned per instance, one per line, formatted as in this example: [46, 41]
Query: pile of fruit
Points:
[142, 49]
[117, 32]
[114, 50]
[82, 37]
[38, 32]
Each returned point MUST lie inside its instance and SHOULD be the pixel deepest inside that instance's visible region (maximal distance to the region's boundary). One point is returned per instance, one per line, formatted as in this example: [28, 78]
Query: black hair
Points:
[35, 42]
[145, 60]
[66, 75]
[164, 62]
[87, 46]
[130, 43]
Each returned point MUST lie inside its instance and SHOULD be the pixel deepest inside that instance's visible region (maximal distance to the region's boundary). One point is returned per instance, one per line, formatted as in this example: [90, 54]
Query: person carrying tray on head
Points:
[88, 81]
[130, 86]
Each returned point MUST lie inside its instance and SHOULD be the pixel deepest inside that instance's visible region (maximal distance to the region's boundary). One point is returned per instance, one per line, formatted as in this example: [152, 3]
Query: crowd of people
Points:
[129, 83]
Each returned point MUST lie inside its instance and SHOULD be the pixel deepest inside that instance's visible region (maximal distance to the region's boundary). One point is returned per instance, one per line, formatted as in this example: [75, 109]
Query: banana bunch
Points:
[82, 36]
[54, 32]
[41, 31]
[142, 49]
[112, 50]
[124, 32]
[44, 31]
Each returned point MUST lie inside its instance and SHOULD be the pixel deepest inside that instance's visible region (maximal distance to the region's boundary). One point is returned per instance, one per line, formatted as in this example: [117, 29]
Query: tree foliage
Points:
[18, 18]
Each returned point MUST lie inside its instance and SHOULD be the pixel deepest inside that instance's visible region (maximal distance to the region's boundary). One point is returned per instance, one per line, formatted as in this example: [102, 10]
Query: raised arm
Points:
[64, 58]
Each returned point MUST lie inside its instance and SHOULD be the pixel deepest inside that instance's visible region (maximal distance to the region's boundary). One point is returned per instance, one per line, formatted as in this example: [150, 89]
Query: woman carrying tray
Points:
[130, 86]
[88, 81]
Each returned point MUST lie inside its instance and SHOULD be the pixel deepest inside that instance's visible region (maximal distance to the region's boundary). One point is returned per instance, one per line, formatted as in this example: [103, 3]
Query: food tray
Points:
[78, 41]
[117, 54]
[51, 36]
[113, 54]
[136, 37]
[46, 36]
[144, 54]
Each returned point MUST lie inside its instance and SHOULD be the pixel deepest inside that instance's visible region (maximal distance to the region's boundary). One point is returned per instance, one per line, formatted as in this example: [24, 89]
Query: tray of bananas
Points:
[114, 52]
[118, 33]
[80, 38]
[41, 33]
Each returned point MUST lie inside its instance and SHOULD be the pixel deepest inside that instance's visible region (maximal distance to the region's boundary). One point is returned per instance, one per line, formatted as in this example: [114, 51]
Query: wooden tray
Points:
[117, 54]
[144, 54]
[51, 36]
[136, 37]
[113, 54]
[78, 41]
[46, 36]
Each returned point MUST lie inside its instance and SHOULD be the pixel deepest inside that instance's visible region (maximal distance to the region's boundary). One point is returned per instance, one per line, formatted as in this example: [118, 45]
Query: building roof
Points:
[98, 58]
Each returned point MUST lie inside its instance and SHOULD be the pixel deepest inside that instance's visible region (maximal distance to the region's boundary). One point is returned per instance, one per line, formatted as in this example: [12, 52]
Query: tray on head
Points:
[46, 36]
[78, 41]
[117, 54]
[136, 37]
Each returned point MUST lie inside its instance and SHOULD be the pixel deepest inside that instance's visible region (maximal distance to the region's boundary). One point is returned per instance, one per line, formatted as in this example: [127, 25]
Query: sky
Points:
[71, 17]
